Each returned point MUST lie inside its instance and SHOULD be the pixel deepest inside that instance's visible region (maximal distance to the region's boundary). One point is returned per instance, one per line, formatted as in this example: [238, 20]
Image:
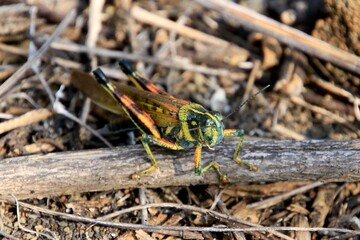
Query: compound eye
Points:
[209, 127]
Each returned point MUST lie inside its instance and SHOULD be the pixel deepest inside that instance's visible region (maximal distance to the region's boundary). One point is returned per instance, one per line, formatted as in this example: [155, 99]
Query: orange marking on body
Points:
[143, 117]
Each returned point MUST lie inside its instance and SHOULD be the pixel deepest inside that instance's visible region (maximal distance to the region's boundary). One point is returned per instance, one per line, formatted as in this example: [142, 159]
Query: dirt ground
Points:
[199, 51]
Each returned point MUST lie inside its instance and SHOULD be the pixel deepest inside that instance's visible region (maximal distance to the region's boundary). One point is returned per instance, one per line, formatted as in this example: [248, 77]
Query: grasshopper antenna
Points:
[245, 102]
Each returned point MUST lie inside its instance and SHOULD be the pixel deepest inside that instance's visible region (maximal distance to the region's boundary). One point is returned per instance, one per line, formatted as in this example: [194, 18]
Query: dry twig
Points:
[285, 34]
[11, 82]
[106, 169]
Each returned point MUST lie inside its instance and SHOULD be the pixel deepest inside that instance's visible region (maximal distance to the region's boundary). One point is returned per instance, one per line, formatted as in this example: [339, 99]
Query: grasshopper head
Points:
[199, 126]
[212, 129]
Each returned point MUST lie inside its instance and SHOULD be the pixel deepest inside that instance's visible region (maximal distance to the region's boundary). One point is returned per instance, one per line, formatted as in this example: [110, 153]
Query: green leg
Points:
[213, 164]
[239, 133]
[146, 139]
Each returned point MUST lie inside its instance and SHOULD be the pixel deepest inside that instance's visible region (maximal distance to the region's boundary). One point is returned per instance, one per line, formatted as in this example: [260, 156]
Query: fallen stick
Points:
[285, 34]
[106, 169]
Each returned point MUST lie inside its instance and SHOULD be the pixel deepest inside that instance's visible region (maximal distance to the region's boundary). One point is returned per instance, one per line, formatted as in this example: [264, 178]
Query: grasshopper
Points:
[162, 119]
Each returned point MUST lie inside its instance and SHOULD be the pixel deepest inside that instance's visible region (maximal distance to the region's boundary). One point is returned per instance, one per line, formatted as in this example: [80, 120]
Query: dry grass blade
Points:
[10, 82]
[286, 34]
[28, 118]
[150, 18]
[279, 198]
[152, 228]
[174, 64]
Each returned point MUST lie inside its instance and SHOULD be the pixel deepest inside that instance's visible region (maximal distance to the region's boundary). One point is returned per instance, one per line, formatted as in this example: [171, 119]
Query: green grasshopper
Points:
[162, 119]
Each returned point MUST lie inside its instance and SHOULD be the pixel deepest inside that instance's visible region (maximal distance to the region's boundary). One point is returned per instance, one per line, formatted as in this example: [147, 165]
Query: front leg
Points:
[145, 140]
[239, 133]
[213, 164]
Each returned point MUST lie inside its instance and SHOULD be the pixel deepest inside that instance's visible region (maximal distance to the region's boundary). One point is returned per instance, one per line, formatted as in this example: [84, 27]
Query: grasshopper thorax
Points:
[199, 126]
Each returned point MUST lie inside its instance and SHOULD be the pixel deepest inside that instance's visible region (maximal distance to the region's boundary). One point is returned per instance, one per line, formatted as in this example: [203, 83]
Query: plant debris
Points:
[198, 53]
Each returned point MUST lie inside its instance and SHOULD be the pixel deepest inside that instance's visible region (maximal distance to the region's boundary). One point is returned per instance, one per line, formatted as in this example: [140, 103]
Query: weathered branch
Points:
[106, 169]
